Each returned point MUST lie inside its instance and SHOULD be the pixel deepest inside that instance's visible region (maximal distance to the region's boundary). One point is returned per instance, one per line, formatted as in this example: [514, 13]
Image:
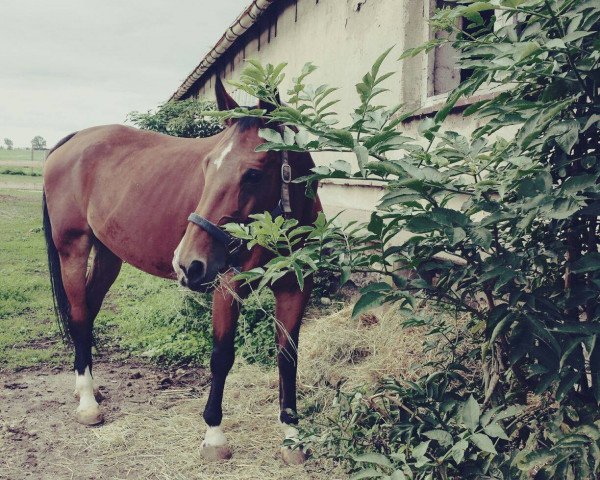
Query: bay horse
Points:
[124, 195]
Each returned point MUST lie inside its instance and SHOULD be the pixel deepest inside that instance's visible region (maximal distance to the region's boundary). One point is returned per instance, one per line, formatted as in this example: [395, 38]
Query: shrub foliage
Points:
[186, 118]
[503, 225]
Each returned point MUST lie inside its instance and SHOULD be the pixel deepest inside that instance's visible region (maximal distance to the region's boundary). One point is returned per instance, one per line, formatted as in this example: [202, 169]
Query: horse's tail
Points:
[62, 308]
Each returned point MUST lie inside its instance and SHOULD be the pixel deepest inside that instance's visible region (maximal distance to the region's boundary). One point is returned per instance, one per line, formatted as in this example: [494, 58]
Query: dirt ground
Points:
[152, 430]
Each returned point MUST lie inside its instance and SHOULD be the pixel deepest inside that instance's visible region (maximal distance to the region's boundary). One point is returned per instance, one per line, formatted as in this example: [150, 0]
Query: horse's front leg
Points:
[225, 312]
[289, 309]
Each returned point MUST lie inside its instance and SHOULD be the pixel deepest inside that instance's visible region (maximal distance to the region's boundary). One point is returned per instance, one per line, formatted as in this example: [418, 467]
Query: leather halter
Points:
[233, 244]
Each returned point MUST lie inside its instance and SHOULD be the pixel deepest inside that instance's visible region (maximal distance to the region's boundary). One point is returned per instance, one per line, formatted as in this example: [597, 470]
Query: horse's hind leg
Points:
[85, 294]
[104, 272]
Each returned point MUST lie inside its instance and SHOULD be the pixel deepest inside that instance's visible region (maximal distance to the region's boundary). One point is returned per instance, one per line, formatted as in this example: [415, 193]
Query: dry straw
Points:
[163, 443]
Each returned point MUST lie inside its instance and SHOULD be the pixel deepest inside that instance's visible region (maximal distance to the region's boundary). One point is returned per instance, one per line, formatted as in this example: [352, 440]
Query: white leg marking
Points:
[84, 385]
[289, 431]
[220, 158]
[214, 437]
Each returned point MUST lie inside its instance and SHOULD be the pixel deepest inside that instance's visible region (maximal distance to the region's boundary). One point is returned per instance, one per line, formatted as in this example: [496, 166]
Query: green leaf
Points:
[398, 475]
[566, 384]
[368, 301]
[449, 217]
[342, 166]
[483, 442]
[441, 436]
[377, 65]
[455, 235]
[367, 473]
[270, 135]
[420, 450]
[421, 224]
[458, 451]
[574, 36]
[362, 157]
[578, 183]
[590, 262]
[525, 49]
[375, 458]
[494, 430]
[569, 136]
[534, 460]
[481, 236]
[471, 413]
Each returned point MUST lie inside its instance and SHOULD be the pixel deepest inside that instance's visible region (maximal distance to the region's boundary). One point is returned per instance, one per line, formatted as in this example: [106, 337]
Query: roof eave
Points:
[241, 24]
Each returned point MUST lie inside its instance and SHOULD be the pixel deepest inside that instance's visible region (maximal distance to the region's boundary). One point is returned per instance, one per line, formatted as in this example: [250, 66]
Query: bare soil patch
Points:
[153, 427]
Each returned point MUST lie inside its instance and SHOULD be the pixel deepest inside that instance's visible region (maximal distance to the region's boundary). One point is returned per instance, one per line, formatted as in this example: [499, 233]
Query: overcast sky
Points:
[70, 64]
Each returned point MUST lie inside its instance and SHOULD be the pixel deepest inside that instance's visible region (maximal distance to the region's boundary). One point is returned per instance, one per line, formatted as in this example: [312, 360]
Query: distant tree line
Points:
[37, 143]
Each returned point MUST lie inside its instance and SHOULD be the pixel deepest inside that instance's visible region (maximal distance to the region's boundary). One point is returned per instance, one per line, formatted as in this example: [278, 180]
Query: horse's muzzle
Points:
[196, 277]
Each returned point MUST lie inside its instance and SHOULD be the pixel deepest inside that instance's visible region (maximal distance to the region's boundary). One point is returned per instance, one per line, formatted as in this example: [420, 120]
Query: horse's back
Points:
[130, 189]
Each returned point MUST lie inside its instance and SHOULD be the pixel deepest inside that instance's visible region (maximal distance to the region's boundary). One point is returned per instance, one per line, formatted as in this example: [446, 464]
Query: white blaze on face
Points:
[214, 437]
[84, 386]
[219, 160]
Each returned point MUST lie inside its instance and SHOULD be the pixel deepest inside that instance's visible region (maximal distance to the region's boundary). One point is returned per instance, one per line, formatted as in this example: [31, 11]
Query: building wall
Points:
[343, 38]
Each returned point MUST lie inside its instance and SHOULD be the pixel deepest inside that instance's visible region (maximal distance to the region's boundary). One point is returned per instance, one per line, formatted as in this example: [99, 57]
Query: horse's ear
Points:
[269, 107]
[224, 100]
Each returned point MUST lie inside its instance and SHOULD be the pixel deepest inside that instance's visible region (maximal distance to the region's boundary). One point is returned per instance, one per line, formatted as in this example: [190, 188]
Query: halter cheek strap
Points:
[286, 178]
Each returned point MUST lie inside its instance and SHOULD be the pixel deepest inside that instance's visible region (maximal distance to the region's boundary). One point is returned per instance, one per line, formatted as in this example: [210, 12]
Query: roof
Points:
[241, 24]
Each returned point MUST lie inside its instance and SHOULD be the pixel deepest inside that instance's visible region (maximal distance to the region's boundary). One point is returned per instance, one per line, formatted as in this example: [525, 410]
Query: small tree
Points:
[38, 143]
[9, 143]
[185, 118]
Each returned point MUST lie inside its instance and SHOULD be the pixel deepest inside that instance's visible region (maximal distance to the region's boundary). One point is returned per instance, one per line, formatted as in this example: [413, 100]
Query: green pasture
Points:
[25, 180]
[21, 154]
[142, 315]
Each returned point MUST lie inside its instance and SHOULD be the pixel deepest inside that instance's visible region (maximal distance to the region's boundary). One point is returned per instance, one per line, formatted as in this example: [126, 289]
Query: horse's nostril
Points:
[183, 269]
[195, 272]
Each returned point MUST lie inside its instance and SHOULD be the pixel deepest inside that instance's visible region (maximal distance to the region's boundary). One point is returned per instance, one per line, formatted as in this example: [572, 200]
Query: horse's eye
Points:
[252, 176]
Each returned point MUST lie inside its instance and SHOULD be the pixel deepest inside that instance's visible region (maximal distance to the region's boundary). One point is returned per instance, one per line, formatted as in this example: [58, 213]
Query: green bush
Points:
[21, 171]
[503, 229]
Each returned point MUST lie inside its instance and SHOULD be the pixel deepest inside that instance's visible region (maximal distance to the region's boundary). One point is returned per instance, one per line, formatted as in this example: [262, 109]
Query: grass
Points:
[21, 154]
[28, 334]
[25, 180]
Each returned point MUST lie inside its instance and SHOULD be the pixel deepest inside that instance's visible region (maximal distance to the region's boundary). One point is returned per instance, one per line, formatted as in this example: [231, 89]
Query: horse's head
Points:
[238, 181]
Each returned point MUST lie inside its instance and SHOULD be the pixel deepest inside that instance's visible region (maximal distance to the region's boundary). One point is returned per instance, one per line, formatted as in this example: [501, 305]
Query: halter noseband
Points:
[233, 244]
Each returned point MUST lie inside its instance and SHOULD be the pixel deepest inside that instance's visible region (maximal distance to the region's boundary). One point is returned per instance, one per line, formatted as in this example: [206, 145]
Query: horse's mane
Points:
[246, 123]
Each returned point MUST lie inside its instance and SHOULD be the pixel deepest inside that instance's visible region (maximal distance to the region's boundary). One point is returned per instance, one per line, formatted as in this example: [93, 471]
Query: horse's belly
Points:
[148, 249]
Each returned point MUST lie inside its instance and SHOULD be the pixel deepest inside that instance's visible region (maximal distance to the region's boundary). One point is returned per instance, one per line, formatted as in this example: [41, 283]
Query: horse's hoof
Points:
[215, 452]
[90, 416]
[293, 457]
